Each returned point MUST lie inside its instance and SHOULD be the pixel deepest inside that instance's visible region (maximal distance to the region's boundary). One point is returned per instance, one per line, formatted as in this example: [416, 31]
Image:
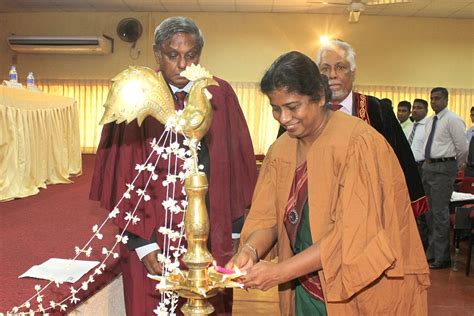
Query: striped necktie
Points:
[430, 139]
[412, 134]
[180, 97]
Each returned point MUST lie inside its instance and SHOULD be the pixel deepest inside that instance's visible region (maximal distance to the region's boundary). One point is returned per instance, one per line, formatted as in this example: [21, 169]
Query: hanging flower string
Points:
[169, 258]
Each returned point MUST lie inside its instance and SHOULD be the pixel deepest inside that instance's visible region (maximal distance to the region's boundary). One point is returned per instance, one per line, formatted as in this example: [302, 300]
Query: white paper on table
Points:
[459, 196]
[60, 270]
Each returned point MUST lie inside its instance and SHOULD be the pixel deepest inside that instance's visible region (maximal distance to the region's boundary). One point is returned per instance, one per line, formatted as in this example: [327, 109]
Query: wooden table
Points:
[39, 141]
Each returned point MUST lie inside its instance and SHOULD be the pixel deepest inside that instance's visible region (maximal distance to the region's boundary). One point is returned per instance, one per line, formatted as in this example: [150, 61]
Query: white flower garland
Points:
[169, 258]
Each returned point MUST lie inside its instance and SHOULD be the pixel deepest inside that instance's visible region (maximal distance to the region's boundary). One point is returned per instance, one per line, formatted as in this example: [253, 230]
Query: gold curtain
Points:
[258, 113]
[91, 95]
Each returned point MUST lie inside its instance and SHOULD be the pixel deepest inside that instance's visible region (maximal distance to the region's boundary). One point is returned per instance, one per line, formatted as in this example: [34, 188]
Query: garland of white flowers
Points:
[169, 258]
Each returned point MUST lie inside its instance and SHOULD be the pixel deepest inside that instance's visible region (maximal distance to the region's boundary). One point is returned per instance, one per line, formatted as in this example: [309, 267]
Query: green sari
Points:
[309, 299]
[305, 304]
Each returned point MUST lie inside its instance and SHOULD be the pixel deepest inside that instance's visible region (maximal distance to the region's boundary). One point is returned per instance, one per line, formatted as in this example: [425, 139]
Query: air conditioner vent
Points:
[61, 45]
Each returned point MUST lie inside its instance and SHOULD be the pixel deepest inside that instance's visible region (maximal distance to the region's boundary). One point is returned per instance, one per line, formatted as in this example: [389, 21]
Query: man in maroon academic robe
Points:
[226, 153]
[336, 60]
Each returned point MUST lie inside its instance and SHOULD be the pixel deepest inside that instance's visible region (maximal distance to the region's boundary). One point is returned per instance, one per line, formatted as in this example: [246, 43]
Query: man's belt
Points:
[434, 160]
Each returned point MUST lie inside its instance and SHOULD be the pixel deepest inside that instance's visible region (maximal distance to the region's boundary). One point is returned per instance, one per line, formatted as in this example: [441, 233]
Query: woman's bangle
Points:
[254, 250]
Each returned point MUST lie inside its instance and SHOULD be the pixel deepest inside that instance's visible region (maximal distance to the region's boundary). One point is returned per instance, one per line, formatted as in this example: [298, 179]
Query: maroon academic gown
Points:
[231, 183]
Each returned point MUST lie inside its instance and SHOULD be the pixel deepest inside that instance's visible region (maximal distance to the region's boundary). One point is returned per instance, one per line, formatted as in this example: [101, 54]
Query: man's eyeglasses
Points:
[340, 69]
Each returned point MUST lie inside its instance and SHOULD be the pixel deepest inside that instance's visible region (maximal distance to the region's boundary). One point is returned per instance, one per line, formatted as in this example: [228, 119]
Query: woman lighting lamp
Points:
[332, 197]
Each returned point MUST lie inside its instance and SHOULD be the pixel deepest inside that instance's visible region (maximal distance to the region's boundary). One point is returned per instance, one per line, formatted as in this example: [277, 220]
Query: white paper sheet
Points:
[60, 270]
[459, 196]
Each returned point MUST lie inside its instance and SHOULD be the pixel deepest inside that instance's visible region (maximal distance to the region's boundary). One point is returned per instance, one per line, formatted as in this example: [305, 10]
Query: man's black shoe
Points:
[441, 265]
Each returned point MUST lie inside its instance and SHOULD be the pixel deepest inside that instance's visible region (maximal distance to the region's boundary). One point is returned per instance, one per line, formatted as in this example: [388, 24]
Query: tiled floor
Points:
[451, 294]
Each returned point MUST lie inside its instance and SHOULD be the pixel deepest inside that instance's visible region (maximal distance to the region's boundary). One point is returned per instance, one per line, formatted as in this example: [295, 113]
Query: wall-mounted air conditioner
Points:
[61, 45]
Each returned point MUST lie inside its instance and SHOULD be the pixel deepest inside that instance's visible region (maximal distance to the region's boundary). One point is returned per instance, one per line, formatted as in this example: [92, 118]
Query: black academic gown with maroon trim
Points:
[381, 117]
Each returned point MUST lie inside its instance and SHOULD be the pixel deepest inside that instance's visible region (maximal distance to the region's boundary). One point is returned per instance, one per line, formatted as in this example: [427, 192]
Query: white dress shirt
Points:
[144, 250]
[347, 104]
[469, 134]
[419, 140]
[407, 126]
[449, 138]
[186, 88]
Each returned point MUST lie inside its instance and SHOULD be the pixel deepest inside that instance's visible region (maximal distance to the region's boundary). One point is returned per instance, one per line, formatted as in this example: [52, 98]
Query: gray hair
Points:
[337, 43]
[174, 25]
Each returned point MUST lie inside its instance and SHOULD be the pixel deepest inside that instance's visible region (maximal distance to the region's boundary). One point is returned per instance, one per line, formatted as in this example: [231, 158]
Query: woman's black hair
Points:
[297, 73]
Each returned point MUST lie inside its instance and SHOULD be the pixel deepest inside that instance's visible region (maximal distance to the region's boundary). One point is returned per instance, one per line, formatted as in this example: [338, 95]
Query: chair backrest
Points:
[463, 220]
[467, 185]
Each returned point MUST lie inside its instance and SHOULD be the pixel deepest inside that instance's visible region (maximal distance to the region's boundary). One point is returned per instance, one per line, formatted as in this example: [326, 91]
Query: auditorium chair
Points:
[463, 222]
[466, 185]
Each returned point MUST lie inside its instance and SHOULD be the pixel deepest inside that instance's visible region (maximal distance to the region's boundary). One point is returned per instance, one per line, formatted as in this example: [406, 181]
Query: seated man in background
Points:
[403, 116]
[226, 153]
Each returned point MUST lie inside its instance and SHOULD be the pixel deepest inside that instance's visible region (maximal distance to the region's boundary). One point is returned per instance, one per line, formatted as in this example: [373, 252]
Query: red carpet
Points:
[50, 224]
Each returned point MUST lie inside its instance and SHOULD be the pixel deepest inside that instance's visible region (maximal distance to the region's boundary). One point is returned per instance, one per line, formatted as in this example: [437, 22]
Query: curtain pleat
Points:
[91, 95]
[258, 113]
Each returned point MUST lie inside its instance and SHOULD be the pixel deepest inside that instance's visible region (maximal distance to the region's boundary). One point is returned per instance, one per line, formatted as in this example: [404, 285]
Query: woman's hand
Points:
[244, 259]
[263, 276]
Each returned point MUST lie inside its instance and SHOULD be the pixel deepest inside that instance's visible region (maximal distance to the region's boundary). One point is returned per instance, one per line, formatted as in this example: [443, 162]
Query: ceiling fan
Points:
[355, 7]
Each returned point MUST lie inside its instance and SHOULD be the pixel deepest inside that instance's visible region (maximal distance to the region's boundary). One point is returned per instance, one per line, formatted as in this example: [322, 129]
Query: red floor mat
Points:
[50, 224]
